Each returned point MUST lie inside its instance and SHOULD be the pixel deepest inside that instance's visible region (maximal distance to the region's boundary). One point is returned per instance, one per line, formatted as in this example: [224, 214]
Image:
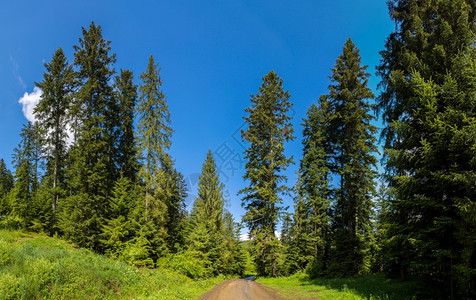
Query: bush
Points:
[189, 263]
[10, 287]
[11, 222]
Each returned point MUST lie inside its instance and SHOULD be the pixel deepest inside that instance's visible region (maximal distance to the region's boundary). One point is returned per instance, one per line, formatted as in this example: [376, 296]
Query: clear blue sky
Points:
[213, 55]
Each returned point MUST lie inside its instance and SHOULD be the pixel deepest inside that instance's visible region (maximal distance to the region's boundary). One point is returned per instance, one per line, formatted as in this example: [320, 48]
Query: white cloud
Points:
[29, 102]
[16, 72]
[244, 237]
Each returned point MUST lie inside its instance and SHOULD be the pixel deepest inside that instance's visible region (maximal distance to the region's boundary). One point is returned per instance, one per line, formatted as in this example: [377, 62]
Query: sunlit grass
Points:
[34, 266]
[374, 286]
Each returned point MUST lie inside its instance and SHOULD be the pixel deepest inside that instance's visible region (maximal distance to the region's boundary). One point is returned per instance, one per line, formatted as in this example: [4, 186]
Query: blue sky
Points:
[212, 55]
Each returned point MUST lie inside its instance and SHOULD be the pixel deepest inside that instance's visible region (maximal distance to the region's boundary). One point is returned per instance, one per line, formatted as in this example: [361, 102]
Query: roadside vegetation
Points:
[374, 286]
[34, 266]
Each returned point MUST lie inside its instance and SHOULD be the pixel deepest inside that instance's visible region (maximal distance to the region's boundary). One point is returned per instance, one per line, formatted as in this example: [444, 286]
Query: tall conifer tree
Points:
[52, 114]
[92, 172]
[424, 71]
[207, 228]
[353, 145]
[212, 229]
[172, 190]
[6, 184]
[26, 162]
[311, 240]
[269, 127]
[153, 129]
[126, 97]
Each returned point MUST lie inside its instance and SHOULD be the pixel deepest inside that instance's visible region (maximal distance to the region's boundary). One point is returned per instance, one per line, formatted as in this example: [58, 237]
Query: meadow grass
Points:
[374, 286]
[34, 266]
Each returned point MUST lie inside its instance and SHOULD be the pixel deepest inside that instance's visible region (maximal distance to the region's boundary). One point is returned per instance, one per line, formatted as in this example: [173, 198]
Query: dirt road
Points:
[240, 289]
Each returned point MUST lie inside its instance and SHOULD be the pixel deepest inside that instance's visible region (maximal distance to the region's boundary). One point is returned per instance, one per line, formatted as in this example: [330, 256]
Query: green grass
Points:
[34, 266]
[374, 286]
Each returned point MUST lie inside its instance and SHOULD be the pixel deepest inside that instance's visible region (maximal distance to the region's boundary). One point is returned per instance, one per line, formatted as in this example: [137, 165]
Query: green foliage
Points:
[269, 127]
[233, 256]
[352, 147]
[42, 219]
[374, 286]
[212, 231]
[138, 252]
[153, 128]
[125, 93]
[6, 185]
[332, 231]
[427, 102]
[79, 220]
[164, 194]
[26, 161]
[118, 229]
[172, 191]
[11, 222]
[310, 238]
[34, 266]
[92, 170]
[57, 87]
[190, 263]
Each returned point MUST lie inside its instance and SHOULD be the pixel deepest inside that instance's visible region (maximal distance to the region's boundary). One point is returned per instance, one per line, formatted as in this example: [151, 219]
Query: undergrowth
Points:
[34, 266]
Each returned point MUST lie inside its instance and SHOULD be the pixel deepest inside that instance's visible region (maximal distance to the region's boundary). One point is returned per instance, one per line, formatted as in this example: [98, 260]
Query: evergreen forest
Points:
[96, 169]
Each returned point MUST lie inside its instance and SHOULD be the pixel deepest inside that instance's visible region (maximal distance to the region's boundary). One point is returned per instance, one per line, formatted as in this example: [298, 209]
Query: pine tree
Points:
[206, 218]
[92, 172]
[172, 190]
[52, 114]
[26, 163]
[233, 255]
[381, 251]
[296, 243]
[6, 185]
[269, 127]
[116, 231]
[419, 102]
[153, 129]
[311, 240]
[353, 143]
[126, 97]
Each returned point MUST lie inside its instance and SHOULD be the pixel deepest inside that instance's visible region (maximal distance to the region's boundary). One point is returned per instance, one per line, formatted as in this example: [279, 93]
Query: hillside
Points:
[35, 266]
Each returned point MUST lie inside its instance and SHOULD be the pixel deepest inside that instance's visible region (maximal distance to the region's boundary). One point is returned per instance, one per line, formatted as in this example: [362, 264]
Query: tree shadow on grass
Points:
[374, 286]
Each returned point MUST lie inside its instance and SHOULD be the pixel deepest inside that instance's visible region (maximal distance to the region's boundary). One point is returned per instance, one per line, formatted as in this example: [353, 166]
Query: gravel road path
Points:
[240, 289]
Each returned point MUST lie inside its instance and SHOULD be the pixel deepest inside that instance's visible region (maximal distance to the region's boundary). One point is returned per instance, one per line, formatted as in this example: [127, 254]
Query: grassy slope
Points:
[35, 266]
[364, 287]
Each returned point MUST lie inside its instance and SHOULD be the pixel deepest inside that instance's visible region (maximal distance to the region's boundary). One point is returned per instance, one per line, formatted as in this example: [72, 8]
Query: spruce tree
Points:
[126, 97]
[153, 129]
[233, 255]
[212, 232]
[118, 230]
[92, 172]
[382, 211]
[311, 239]
[162, 185]
[206, 218]
[6, 185]
[25, 160]
[425, 84]
[52, 114]
[269, 127]
[352, 161]
[172, 190]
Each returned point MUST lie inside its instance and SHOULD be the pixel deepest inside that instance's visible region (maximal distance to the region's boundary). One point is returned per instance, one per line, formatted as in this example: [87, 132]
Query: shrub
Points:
[10, 287]
[191, 264]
